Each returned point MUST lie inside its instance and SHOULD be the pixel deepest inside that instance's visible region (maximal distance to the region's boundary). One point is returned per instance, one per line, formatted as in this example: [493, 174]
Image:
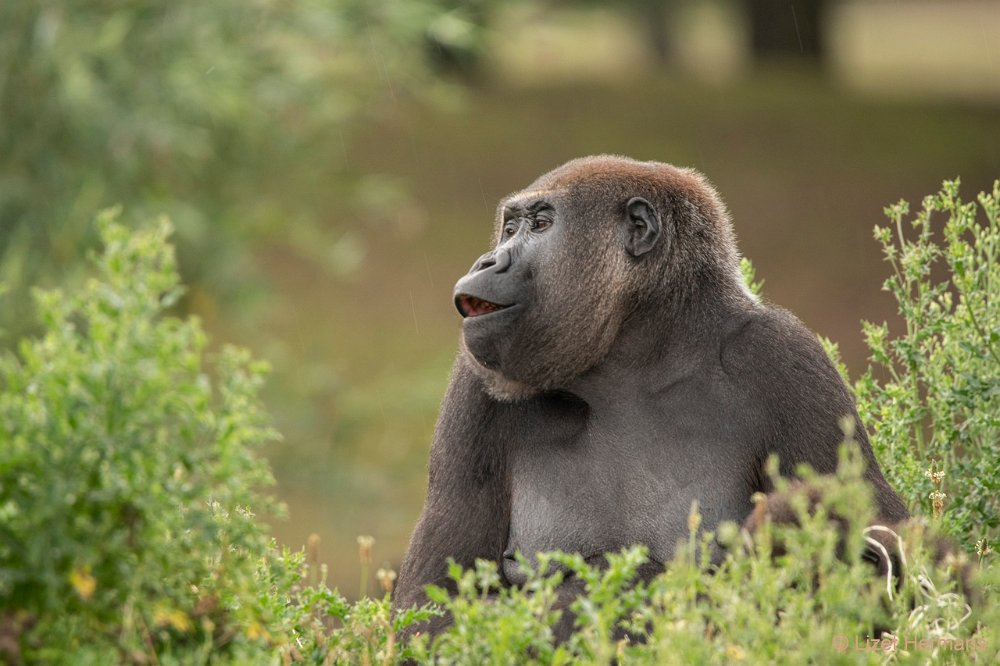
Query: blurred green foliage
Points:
[129, 477]
[191, 108]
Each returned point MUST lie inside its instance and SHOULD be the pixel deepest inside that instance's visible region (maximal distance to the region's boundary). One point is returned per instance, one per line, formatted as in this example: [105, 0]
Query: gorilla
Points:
[613, 367]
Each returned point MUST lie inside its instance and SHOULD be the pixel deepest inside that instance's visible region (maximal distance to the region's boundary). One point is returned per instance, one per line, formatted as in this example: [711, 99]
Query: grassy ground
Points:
[362, 361]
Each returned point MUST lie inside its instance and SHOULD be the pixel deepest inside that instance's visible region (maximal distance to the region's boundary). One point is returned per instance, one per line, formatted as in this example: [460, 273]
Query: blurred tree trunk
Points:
[656, 17]
[787, 27]
[654, 21]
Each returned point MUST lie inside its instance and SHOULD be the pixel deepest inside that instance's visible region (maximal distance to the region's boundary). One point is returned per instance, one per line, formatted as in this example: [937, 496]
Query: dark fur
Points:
[887, 539]
[635, 374]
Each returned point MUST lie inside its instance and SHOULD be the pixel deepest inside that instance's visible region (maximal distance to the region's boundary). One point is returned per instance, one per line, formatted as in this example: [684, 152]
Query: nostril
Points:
[498, 261]
[484, 263]
[502, 260]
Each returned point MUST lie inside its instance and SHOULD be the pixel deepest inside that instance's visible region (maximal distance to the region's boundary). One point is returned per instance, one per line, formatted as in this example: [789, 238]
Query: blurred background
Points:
[332, 167]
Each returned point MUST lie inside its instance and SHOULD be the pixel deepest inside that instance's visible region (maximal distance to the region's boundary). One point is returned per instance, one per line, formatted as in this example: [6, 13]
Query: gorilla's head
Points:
[582, 252]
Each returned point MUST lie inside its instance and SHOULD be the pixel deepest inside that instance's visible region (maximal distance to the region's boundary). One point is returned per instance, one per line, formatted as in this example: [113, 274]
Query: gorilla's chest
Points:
[626, 481]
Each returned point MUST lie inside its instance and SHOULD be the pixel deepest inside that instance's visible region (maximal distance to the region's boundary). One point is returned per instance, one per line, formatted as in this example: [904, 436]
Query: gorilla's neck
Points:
[651, 353]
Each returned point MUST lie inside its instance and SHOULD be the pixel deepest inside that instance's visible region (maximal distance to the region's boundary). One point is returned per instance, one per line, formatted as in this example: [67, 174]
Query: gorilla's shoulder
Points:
[770, 347]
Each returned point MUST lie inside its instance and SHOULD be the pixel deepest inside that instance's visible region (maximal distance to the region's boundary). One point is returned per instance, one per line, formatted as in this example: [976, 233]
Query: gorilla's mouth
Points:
[470, 306]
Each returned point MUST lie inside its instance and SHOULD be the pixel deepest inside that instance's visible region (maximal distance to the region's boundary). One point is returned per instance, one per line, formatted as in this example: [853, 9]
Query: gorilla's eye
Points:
[540, 222]
[510, 228]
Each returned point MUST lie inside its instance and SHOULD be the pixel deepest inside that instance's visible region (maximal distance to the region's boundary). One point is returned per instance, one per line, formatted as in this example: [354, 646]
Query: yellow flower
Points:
[255, 631]
[83, 582]
[735, 652]
[173, 617]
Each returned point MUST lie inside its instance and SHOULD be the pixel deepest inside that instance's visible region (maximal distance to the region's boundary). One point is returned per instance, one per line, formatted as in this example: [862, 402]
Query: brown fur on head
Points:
[586, 285]
[700, 243]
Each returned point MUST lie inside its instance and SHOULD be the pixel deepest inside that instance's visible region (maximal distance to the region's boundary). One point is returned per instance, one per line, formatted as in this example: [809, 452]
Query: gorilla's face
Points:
[546, 303]
[501, 297]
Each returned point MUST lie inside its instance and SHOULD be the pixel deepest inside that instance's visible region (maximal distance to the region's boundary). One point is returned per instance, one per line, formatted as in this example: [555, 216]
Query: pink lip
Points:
[470, 306]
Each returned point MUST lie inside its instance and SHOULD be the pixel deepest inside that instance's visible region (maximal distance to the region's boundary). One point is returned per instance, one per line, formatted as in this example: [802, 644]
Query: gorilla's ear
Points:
[643, 227]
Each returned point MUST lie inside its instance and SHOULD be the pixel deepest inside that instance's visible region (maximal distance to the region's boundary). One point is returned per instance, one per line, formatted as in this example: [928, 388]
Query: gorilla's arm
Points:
[803, 399]
[467, 512]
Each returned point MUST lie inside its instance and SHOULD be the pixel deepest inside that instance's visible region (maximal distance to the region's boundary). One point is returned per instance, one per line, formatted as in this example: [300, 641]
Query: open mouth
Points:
[470, 306]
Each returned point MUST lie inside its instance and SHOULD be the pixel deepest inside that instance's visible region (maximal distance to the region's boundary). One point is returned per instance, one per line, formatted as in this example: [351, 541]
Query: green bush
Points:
[932, 394]
[128, 481]
[127, 478]
[806, 605]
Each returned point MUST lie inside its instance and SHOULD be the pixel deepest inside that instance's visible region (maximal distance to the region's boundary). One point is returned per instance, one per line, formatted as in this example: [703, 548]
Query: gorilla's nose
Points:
[498, 261]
